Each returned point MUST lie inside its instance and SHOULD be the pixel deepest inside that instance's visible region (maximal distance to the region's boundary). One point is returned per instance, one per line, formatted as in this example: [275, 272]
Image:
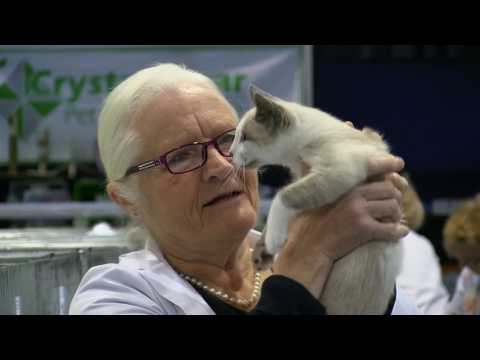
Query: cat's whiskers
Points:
[232, 177]
[228, 179]
[235, 175]
[238, 174]
[244, 181]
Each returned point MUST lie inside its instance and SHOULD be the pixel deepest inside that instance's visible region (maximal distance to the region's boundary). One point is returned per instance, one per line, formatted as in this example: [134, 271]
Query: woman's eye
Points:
[227, 140]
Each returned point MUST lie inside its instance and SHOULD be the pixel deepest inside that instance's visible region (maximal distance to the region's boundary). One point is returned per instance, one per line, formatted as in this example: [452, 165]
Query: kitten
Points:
[327, 158]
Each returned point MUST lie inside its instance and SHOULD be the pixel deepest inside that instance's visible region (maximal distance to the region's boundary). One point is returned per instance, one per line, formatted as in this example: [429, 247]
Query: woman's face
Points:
[174, 207]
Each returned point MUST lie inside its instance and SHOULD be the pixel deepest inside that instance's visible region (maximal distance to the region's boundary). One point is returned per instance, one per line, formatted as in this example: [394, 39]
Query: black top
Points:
[280, 295]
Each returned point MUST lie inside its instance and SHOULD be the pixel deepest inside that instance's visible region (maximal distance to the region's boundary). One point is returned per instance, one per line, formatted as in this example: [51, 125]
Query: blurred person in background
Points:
[461, 240]
[421, 272]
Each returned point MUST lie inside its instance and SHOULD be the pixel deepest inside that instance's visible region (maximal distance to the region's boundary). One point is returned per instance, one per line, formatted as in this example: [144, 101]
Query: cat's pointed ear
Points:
[258, 94]
[270, 112]
[261, 99]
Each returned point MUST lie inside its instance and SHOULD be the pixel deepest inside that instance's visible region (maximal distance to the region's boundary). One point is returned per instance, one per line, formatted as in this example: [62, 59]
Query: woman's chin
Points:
[243, 216]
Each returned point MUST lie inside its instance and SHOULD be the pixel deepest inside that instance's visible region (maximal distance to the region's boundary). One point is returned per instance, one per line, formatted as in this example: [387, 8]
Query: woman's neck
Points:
[231, 272]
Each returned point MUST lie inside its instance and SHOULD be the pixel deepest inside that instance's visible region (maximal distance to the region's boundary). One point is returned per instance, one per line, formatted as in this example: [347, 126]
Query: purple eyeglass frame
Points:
[162, 159]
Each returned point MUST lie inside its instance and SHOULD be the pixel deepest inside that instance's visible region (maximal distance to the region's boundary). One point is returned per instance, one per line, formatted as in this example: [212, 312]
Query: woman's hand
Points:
[319, 237]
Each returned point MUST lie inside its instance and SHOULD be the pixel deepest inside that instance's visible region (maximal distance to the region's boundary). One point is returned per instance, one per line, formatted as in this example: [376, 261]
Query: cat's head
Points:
[261, 134]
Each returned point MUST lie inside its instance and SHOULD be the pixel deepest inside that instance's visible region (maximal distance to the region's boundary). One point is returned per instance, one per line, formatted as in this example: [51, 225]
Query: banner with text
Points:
[61, 89]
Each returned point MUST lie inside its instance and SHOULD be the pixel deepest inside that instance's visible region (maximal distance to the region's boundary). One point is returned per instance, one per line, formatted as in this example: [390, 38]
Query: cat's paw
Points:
[275, 240]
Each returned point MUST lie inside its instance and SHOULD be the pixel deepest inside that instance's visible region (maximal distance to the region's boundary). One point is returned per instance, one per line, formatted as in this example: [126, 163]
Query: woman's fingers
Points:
[389, 231]
[381, 190]
[385, 209]
[398, 181]
[381, 166]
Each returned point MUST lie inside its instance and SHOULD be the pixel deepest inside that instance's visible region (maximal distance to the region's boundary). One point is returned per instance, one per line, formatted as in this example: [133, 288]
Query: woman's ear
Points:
[117, 194]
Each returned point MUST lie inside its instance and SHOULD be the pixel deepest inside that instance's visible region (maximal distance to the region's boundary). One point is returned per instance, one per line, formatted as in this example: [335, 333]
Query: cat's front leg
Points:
[308, 192]
[277, 225]
[320, 188]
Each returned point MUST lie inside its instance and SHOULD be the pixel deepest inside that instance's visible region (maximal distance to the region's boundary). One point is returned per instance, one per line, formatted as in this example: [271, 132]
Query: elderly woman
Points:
[164, 137]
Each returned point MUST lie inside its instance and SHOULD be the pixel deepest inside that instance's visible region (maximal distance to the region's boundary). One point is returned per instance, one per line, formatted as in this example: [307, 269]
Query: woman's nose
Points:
[217, 165]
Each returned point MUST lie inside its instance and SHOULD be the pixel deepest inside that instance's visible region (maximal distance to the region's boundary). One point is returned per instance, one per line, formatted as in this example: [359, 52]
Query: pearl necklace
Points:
[223, 295]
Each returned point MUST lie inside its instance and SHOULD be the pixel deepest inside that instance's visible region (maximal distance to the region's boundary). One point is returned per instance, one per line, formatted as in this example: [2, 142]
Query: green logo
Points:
[32, 94]
[17, 98]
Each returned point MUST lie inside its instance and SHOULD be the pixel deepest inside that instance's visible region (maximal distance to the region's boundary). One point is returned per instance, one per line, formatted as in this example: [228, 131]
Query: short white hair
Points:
[117, 141]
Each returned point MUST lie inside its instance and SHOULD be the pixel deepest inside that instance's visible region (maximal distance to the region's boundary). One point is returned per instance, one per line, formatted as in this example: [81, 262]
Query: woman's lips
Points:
[224, 198]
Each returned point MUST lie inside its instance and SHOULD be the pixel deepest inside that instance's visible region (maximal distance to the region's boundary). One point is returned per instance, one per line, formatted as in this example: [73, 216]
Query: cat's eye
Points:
[243, 138]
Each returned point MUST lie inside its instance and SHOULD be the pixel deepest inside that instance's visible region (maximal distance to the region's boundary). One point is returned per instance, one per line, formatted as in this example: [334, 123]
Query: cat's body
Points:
[327, 158]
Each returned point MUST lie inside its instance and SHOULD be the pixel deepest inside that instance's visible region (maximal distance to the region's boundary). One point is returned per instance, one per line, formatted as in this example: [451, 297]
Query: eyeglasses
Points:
[188, 157]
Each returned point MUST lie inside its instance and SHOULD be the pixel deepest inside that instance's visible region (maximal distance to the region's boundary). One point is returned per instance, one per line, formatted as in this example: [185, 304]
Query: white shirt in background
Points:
[421, 278]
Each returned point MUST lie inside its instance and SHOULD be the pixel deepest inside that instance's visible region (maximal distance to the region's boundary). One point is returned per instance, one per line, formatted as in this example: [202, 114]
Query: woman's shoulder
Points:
[128, 267]
[118, 288]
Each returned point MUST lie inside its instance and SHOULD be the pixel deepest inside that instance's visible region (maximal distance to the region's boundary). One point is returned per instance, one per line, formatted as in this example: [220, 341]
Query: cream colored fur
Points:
[336, 155]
